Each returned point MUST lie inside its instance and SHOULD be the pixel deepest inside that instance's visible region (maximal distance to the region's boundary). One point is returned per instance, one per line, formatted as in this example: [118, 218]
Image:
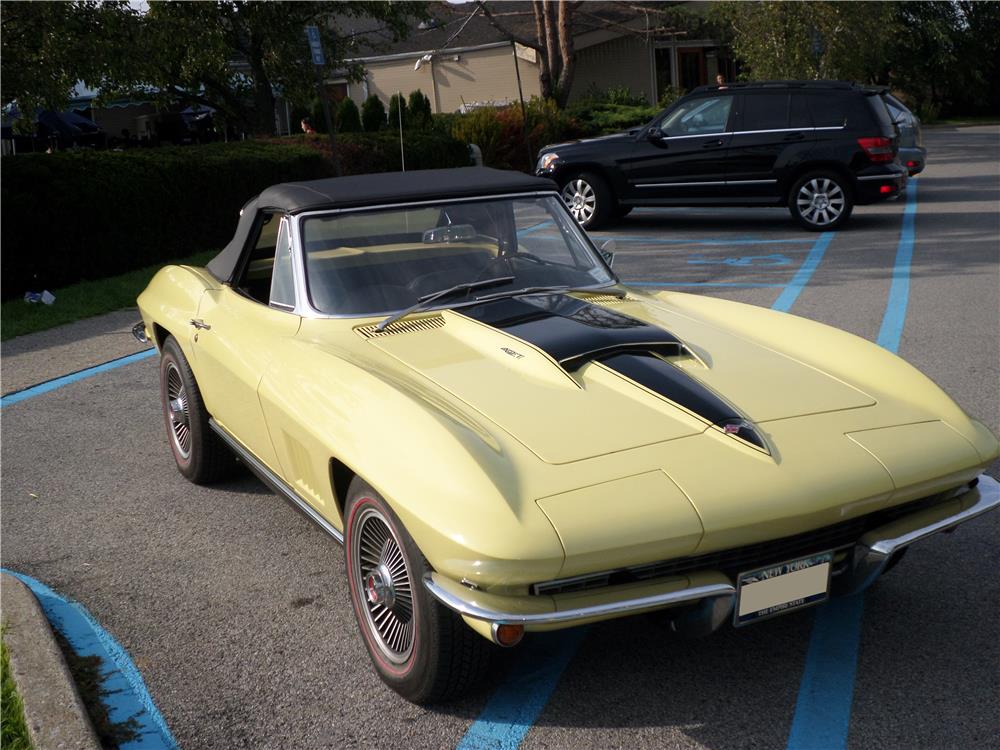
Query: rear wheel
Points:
[200, 455]
[420, 648]
[589, 199]
[820, 201]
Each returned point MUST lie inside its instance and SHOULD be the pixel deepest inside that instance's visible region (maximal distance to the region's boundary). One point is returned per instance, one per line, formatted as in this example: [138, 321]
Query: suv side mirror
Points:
[654, 134]
[607, 251]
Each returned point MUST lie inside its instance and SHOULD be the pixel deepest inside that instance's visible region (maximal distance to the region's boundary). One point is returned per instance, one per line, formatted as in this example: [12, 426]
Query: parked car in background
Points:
[912, 153]
[817, 147]
[442, 371]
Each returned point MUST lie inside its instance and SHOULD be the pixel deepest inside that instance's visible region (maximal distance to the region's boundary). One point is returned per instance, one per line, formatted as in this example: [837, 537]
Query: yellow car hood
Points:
[572, 411]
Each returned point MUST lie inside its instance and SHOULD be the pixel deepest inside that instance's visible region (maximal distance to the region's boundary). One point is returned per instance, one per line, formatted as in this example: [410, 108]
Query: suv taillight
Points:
[877, 149]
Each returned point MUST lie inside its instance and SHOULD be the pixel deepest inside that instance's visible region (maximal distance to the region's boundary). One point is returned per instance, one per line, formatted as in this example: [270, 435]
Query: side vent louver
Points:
[409, 325]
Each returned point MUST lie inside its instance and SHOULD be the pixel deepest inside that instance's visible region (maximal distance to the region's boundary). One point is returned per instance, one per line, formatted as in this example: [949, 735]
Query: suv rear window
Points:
[827, 111]
[878, 108]
[765, 111]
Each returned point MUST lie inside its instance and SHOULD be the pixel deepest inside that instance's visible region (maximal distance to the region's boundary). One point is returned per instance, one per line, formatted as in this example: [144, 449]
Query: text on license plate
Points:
[780, 588]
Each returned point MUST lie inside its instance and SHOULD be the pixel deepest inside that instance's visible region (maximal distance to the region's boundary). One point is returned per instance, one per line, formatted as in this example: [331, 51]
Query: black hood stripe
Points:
[574, 332]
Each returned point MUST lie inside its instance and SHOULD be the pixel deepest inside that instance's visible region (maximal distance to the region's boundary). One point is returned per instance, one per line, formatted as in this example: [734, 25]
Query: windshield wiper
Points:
[427, 299]
[544, 289]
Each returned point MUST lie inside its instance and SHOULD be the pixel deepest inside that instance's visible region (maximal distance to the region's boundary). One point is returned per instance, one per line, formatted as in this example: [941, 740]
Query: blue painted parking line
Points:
[712, 242]
[822, 716]
[535, 228]
[513, 708]
[787, 298]
[51, 385]
[891, 330]
[125, 693]
[823, 709]
[735, 284]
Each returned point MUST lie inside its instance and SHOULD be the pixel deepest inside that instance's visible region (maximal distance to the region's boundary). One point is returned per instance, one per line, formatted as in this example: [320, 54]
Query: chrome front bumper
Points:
[711, 593]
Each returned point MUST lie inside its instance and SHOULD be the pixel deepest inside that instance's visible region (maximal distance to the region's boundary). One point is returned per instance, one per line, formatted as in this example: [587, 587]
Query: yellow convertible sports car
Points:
[442, 371]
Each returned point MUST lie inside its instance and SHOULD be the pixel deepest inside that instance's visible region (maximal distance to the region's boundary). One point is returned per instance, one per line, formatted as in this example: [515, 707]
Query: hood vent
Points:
[607, 299]
[409, 325]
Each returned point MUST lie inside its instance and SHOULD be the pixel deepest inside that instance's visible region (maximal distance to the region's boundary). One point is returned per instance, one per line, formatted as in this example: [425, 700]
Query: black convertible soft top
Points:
[371, 190]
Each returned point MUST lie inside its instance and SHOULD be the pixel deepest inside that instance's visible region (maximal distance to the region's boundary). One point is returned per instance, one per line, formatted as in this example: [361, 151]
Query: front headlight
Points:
[546, 162]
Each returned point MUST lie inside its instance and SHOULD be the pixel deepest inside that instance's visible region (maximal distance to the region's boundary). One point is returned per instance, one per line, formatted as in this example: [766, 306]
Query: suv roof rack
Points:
[778, 84]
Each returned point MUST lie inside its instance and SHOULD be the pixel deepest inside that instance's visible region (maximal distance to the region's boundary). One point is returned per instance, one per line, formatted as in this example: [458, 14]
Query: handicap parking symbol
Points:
[774, 259]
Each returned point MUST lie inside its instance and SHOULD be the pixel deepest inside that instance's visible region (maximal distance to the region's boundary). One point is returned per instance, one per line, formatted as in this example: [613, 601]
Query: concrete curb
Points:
[54, 712]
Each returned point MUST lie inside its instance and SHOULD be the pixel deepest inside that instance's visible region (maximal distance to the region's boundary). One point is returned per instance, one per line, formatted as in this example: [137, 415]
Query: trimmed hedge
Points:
[72, 216]
[361, 153]
[90, 214]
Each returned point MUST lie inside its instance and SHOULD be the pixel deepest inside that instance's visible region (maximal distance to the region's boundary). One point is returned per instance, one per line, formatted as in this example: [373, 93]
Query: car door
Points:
[683, 156]
[240, 328]
[773, 130]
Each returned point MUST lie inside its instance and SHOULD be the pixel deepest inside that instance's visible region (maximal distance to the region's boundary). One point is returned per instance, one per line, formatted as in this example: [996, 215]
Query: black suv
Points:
[817, 147]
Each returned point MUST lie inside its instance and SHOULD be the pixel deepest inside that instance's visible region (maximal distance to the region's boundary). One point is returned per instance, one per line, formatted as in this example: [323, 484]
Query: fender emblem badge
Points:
[511, 352]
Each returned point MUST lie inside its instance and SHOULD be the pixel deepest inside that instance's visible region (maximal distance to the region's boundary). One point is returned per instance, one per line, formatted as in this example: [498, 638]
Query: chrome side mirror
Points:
[607, 251]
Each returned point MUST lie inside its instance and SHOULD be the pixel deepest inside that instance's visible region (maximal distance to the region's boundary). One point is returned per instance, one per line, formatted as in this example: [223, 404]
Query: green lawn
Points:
[13, 729]
[82, 300]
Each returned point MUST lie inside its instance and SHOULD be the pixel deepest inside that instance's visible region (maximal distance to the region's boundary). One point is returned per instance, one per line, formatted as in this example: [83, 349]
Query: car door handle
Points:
[794, 137]
[712, 144]
[200, 324]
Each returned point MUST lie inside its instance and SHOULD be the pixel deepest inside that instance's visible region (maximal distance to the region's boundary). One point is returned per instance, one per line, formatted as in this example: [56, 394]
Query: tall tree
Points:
[231, 55]
[554, 29]
[48, 47]
[234, 55]
[809, 40]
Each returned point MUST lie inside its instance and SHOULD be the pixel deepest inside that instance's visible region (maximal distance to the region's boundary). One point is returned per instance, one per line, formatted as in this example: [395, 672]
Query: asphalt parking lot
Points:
[234, 606]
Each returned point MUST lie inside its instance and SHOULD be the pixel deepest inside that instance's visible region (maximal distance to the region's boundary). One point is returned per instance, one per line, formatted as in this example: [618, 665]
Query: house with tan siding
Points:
[459, 59]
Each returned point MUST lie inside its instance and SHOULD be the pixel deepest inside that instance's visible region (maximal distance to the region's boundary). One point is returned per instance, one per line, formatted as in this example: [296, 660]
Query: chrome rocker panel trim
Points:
[273, 481]
[869, 558]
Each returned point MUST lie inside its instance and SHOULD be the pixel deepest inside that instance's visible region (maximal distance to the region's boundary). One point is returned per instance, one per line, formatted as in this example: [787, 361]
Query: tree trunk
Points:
[552, 42]
[263, 93]
[567, 55]
[544, 72]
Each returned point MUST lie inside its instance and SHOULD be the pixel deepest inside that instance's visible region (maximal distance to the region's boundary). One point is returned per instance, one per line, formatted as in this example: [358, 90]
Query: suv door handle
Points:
[794, 137]
[200, 324]
[712, 144]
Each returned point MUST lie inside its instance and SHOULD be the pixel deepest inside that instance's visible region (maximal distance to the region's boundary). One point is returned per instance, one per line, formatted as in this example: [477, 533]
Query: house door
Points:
[691, 67]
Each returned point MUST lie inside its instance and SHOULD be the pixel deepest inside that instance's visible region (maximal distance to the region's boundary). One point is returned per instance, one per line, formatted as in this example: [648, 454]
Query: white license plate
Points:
[777, 589]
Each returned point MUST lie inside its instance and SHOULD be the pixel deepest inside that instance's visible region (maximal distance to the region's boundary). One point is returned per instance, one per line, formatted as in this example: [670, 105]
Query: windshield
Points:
[372, 262]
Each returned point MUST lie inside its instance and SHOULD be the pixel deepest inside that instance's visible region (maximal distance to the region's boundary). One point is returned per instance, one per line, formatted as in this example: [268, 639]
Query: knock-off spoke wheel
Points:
[420, 649]
[180, 416]
[383, 577]
[199, 453]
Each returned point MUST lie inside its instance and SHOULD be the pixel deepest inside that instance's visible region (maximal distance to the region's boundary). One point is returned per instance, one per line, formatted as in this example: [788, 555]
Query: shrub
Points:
[373, 114]
[348, 118]
[89, 214]
[418, 111]
[669, 96]
[601, 117]
[362, 153]
[397, 111]
[500, 132]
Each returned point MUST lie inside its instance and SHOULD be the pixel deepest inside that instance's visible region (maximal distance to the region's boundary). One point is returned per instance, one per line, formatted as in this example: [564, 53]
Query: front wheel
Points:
[200, 455]
[820, 201]
[420, 648]
[589, 199]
